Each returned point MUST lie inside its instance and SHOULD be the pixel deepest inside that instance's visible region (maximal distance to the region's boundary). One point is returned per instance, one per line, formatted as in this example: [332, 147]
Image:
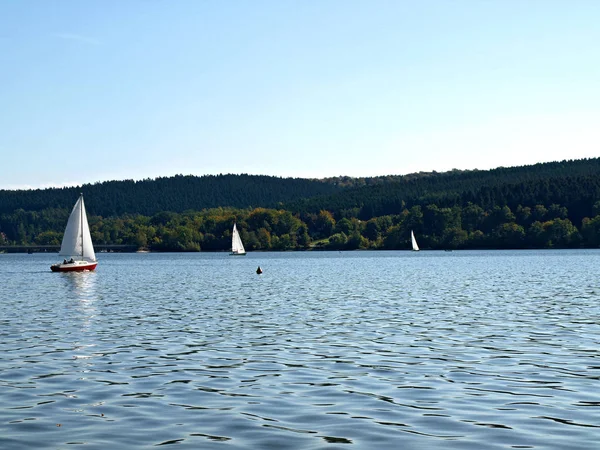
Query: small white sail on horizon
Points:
[415, 247]
[77, 240]
[237, 248]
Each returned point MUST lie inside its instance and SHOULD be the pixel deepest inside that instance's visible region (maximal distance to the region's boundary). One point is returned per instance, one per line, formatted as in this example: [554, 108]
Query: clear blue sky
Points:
[108, 90]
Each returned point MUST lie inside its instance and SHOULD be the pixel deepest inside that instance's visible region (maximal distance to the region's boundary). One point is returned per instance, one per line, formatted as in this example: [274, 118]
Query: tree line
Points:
[469, 227]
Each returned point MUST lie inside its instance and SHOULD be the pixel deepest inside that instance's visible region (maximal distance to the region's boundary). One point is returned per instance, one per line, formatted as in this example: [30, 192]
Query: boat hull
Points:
[77, 266]
[237, 254]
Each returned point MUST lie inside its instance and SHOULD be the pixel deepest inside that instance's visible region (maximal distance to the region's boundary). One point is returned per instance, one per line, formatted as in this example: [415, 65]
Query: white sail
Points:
[237, 248]
[415, 247]
[77, 241]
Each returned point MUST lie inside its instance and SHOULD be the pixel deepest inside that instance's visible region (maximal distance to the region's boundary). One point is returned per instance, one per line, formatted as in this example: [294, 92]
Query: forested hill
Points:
[175, 194]
[549, 205]
[574, 184]
[567, 182]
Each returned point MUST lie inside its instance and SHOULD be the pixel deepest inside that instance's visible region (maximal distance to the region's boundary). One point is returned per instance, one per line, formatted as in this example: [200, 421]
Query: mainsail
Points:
[415, 247]
[77, 241]
[236, 242]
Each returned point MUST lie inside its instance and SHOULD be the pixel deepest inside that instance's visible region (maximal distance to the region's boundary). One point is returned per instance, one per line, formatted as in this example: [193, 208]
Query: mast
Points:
[81, 222]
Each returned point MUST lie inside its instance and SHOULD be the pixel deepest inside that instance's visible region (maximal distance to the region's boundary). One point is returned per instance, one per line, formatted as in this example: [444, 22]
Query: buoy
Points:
[259, 270]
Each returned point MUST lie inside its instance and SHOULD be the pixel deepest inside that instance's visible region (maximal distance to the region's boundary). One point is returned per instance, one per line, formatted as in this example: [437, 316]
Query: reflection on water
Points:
[82, 285]
[368, 350]
[81, 288]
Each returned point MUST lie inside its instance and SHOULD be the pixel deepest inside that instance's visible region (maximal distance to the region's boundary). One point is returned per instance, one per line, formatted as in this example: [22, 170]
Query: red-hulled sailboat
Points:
[76, 247]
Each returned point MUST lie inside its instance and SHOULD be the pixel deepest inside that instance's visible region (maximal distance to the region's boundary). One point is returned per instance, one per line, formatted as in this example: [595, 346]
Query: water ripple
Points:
[474, 350]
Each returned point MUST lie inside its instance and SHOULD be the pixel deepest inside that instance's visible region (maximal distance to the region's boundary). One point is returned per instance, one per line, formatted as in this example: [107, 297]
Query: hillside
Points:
[574, 184]
[549, 205]
[176, 194]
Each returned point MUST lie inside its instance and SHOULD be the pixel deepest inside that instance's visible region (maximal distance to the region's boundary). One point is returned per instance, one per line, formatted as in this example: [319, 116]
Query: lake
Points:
[336, 350]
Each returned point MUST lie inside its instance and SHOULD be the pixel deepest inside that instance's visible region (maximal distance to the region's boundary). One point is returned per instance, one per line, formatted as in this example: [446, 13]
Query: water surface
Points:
[448, 350]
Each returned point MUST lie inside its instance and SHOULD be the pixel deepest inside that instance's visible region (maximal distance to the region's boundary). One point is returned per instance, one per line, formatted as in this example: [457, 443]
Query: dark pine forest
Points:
[546, 205]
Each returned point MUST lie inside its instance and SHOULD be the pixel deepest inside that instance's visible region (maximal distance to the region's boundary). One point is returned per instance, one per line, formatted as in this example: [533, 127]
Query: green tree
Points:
[372, 230]
[285, 242]
[48, 238]
[262, 218]
[539, 213]
[536, 236]
[560, 233]
[590, 230]
[251, 242]
[557, 212]
[437, 220]
[356, 241]
[473, 216]
[302, 237]
[455, 238]
[396, 238]
[264, 238]
[22, 234]
[498, 217]
[413, 220]
[338, 241]
[141, 239]
[476, 239]
[325, 224]
[509, 235]
[344, 226]
[523, 215]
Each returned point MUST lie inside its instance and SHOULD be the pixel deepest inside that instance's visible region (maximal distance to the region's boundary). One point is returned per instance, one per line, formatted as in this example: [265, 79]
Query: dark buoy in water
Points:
[259, 270]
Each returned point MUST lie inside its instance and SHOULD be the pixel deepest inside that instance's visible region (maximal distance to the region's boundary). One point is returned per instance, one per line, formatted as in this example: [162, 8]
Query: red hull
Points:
[73, 267]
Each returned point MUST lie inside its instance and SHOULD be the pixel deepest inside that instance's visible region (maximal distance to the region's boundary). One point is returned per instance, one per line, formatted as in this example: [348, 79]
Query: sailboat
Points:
[76, 247]
[415, 247]
[237, 248]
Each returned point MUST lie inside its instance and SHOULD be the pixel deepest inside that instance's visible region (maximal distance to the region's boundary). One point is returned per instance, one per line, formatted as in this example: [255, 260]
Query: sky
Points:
[100, 90]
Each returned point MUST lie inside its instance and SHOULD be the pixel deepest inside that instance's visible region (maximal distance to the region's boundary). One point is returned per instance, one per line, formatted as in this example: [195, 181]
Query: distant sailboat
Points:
[77, 243]
[237, 248]
[415, 247]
